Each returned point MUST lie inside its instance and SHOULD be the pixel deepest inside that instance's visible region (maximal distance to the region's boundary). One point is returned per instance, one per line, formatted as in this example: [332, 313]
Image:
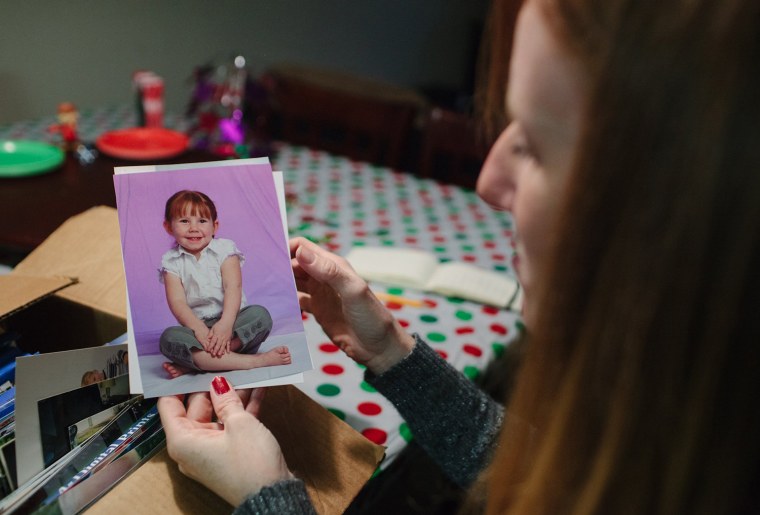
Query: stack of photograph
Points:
[75, 431]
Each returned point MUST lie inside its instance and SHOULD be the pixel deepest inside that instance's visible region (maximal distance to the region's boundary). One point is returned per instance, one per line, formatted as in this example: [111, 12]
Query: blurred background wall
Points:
[85, 51]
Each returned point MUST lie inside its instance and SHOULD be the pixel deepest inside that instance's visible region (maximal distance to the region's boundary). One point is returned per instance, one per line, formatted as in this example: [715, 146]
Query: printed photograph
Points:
[208, 273]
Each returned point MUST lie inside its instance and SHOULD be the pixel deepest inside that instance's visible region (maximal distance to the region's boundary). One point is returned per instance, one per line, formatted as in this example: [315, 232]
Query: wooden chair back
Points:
[452, 149]
[343, 114]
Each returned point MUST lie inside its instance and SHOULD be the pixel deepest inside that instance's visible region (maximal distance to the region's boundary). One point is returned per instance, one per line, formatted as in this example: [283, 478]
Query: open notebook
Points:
[418, 269]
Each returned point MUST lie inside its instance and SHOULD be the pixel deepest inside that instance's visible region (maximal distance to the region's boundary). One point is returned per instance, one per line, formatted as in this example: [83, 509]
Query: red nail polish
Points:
[220, 384]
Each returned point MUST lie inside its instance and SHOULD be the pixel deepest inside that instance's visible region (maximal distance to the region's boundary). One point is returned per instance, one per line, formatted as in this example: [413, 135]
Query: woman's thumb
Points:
[321, 268]
[224, 398]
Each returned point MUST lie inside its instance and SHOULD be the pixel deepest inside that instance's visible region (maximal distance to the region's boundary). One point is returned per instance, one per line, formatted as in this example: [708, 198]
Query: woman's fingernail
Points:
[220, 384]
[306, 256]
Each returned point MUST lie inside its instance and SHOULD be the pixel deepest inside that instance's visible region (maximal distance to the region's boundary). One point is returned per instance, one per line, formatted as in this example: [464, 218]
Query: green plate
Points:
[19, 158]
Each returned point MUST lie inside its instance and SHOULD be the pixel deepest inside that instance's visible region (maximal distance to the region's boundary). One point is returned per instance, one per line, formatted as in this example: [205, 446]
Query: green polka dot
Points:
[498, 348]
[407, 219]
[468, 248]
[471, 372]
[455, 300]
[405, 432]
[359, 214]
[338, 413]
[429, 318]
[487, 236]
[358, 243]
[440, 249]
[328, 390]
[500, 268]
[436, 337]
[367, 387]
[360, 366]
[377, 472]
[411, 230]
[444, 259]
[389, 243]
[460, 236]
[464, 315]
[382, 232]
[520, 326]
[480, 224]
[395, 291]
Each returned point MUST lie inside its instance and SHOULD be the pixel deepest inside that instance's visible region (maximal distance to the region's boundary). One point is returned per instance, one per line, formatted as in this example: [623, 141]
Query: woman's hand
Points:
[234, 457]
[351, 316]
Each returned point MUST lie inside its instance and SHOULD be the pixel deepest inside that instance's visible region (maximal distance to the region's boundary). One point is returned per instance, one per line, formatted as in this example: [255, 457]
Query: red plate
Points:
[142, 143]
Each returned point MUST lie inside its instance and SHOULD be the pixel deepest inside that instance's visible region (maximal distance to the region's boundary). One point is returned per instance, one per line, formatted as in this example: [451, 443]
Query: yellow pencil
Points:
[387, 297]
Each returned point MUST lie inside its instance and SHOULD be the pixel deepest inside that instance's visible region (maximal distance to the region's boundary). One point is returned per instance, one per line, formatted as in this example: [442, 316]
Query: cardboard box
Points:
[70, 293]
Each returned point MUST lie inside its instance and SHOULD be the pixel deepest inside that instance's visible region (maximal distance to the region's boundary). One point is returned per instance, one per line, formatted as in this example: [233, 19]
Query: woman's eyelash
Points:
[522, 150]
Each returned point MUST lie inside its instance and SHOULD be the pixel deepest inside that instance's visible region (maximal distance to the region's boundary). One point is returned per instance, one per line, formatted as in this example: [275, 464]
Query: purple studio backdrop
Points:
[248, 214]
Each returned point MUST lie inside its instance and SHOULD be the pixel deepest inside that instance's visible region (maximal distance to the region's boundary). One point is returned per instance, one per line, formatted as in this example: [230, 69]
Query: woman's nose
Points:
[497, 180]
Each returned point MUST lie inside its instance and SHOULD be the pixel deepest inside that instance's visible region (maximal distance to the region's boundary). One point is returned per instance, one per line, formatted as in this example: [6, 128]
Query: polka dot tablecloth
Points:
[341, 203]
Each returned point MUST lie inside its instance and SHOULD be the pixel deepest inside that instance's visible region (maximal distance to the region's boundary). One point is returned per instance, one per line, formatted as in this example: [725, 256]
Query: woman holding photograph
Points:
[629, 167]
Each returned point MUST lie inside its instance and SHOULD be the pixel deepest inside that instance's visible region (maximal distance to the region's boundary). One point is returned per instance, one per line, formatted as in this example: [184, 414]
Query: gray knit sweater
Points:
[449, 417]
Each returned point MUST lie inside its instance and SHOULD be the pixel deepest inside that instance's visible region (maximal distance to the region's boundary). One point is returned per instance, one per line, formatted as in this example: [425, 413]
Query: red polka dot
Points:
[498, 257]
[442, 354]
[469, 259]
[430, 303]
[490, 310]
[498, 329]
[465, 330]
[369, 408]
[489, 244]
[332, 369]
[439, 239]
[328, 347]
[357, 223]
[394, 306]
[304, 316]
[360, 234]
[472, 350]
[410, 239]
[403, 323]
[375, 435]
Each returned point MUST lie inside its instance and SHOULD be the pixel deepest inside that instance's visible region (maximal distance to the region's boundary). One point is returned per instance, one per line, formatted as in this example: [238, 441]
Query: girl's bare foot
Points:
[174, 370]
[276, 356]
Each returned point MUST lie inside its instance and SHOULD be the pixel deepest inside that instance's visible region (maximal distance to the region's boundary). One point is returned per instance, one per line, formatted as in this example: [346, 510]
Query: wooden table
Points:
[33, 207]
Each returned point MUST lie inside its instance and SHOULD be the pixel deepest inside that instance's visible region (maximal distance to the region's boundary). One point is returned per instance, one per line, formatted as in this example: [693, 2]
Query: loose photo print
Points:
[209, 281]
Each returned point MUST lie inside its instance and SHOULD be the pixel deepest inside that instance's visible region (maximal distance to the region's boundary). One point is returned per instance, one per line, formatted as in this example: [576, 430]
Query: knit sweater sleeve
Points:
[454, 421]
[287, 497]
